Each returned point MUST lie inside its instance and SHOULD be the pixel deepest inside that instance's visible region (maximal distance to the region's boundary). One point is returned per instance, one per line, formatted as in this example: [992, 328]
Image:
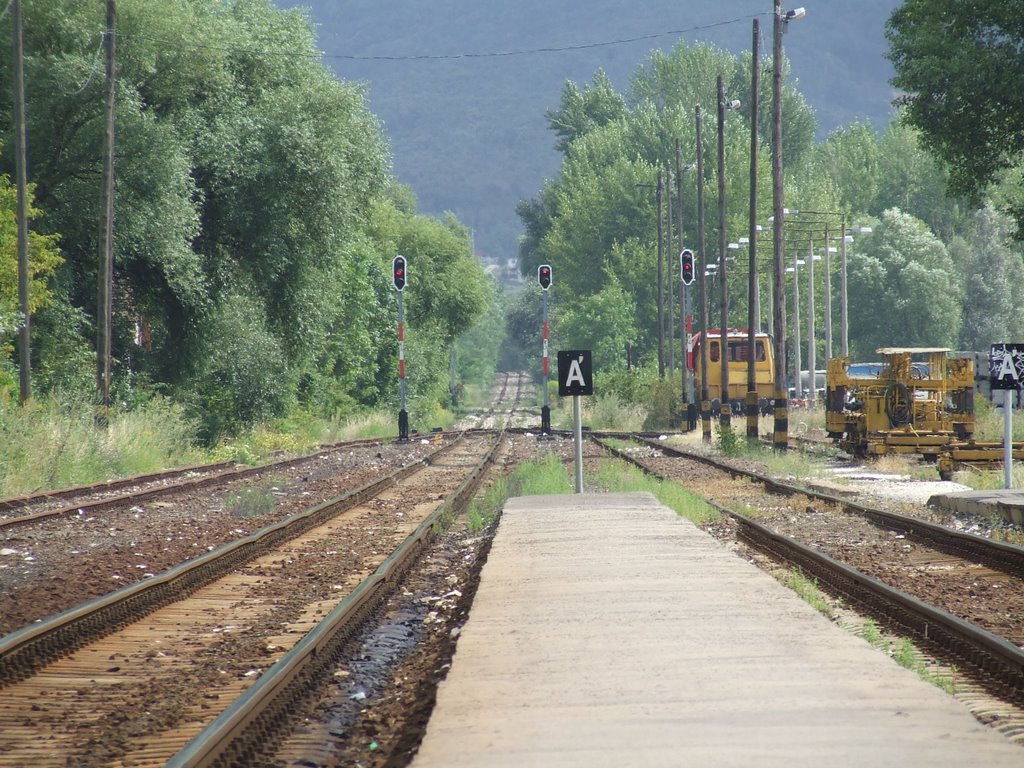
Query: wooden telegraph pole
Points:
[725, 419]
[781, 434]
[753, 290]
[104, 314]
[24, 332]
[661, 281]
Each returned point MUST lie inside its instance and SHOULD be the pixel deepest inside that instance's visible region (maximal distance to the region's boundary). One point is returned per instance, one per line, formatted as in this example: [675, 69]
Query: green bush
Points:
[243, 378]
[662, 406]
[55, 443]
[610, 413]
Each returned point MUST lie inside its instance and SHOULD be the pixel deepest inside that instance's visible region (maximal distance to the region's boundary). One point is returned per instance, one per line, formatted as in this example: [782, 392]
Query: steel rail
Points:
[1002, 556]
[258, 718]
[27, 500]
[994, 662]
[221, 472]
[27, 649]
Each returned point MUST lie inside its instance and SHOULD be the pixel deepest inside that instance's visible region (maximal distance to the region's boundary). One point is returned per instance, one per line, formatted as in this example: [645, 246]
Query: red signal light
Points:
[686, 266]
[398, 272]
[544, 276]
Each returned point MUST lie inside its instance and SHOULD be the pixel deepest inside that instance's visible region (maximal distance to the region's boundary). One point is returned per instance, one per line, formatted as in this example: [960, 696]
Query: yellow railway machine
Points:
[915, 400]
[738, 350]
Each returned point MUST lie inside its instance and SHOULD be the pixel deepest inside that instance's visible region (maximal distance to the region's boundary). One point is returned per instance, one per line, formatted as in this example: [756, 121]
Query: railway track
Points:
[97, 497]
[504, 410]
[135, 696]
[956, 595]
[52, 563]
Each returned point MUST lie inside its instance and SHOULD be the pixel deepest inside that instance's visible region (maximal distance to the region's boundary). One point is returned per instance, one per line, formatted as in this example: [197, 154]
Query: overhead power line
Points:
[552, 49]
[464, 55]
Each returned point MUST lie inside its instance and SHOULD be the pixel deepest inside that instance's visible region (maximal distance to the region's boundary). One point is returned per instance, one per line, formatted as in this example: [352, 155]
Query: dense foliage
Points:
[961, 69]
[923, 270]
[256, 218]
[469, 132]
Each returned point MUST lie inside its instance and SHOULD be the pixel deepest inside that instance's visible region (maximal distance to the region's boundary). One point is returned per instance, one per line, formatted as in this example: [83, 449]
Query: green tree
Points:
[480, 347]
[523, 323]
[598, 219]
[240, 172]
[850, 157]
[960, 67]
[605, 323]
[446, 293]
[902, 290]
[44, 258]
[993, 273]
[912, 180]
[580, 111]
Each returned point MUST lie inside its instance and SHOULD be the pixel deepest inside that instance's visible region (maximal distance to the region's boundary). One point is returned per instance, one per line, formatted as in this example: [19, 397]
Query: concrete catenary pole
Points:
[725, 420]
[20, 161]
[780, 437]
[752, 286]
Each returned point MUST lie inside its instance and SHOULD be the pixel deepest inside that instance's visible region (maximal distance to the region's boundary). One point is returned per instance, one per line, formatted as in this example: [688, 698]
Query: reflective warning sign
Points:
[575, 373]
[1006, 366]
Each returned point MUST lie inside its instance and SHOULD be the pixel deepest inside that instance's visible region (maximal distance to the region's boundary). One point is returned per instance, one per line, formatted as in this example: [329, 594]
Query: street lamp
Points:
[725, 420]
[828, 250]
[705, 404]
[823, 222]
[685, 309]
[844, 321]
[780, 438]
[798, 389]
[659, 188]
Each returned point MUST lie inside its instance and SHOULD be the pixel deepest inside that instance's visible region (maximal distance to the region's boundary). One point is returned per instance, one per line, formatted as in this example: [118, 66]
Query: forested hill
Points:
[469, 134]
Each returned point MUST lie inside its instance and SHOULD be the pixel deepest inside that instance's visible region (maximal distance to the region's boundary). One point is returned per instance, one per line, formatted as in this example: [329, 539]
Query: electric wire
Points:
[178, 44]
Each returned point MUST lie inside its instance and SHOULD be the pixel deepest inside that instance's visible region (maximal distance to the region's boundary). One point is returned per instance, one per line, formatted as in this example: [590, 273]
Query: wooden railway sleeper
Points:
[255, 724]
[995, 664]
[26, 650]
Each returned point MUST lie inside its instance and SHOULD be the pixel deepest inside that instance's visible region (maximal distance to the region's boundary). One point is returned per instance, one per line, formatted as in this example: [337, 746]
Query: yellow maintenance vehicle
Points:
[915, 400]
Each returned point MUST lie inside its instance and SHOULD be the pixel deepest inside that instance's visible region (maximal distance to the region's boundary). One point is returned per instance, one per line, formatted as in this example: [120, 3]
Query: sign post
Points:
[398, 279]
[1006, 372]
[544, 278]
[575, 378]
[686, 273]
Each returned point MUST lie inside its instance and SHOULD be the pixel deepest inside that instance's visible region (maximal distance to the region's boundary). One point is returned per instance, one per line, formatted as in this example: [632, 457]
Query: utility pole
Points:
[685, 324]
[104, 314]
[752, 286]
[844, 323]
[798, 383]
[670, 259]
[780, 438]
[24, 332]
[828, 297]
[812, 347]
[705, 403]
[725, 419]
[661, 284]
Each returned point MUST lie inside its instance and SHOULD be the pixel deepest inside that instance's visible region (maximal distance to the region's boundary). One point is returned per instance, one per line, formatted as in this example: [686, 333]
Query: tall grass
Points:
[606, 412]
[989, 422]
[46, 445]
[546, 475]
[543, 476]
[807, 588]
[617, 476]
[905, 653]
[794, 464]
[990, 479]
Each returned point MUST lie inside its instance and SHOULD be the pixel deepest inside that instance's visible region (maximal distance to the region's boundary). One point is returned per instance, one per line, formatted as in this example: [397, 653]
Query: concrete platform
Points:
[607, 631]
[1008, 503]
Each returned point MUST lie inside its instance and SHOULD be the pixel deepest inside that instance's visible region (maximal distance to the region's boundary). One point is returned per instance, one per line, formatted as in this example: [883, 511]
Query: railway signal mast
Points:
[398, 279]
[544, 278]
[686, 275]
